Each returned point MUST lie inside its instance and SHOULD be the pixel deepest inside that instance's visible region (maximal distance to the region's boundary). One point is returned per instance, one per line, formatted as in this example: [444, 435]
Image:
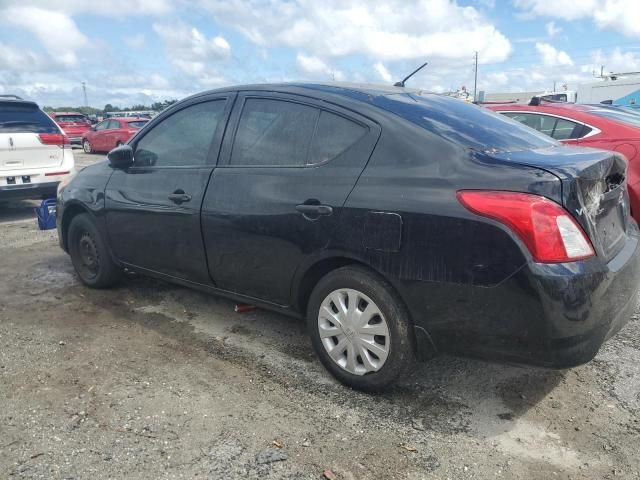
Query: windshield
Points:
[464, 123]
[626, 117]
[70, 118]
[24, 118]
[138, 125]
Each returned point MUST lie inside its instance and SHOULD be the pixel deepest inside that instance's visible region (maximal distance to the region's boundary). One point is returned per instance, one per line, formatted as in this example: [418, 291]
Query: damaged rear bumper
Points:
[551, 315]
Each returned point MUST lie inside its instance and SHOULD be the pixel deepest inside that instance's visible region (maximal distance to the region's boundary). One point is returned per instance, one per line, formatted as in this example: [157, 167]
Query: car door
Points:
[110, 134]
[153, 207]
[97, 139]
[287, 167]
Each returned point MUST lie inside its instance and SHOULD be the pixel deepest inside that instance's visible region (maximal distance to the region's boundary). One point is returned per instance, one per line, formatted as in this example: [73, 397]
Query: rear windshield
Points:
[70, 118]
[627, 117]
[24, 117]
[469, 125]
[138, 124]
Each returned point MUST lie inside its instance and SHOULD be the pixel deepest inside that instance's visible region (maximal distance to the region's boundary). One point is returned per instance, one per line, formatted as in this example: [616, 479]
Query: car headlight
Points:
[65, 181]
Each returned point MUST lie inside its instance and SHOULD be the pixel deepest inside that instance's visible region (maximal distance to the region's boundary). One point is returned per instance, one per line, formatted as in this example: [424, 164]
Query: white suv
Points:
[35, 155]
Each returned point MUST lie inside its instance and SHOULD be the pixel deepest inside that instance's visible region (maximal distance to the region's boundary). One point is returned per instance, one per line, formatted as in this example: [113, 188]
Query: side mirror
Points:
[121, 157]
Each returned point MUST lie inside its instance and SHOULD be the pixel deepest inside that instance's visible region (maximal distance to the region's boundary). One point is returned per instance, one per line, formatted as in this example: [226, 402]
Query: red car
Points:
[111, 133]
[598, 126]
[73, 124]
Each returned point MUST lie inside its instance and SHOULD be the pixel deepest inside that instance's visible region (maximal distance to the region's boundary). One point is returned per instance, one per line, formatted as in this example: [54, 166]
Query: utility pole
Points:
[475, 78]
[554, 86]
[84, 92]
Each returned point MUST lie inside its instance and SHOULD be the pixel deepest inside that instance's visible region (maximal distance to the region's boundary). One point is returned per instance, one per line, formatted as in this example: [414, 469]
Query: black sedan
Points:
[398, 223]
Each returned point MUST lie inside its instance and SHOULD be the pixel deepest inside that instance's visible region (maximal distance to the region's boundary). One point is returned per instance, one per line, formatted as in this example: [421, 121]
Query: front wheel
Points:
[360, 328]
[89, 254]
[86, 146]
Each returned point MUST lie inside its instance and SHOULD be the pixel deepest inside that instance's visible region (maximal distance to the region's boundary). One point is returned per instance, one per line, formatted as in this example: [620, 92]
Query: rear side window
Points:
[334, 134]
[136, 125]
[558, 128]
[16, 117]
[71, 118]
[465, 124]
[274, 133]
[183, 139]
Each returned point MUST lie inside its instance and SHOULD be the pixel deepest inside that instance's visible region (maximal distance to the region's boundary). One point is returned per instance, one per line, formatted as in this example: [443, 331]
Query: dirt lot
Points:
[151, 380]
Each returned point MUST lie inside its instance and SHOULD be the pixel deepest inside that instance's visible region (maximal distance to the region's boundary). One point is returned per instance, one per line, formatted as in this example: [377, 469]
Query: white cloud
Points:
[20, 60]
[136, 42]
[317, 67]
[551, 57]
[111, 8]
[391, 30]
[552, 30]
[382, 71]
[193, 53]
[56, 31]
[620, 15]
[617, 62]
[497, 79]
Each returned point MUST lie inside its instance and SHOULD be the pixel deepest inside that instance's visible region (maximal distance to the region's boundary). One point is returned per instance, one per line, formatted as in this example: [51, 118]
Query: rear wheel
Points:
[89, 255]
[86, 146]
[360, 328]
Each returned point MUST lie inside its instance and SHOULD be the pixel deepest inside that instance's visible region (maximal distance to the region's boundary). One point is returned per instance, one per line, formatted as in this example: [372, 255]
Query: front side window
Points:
[183, 139]
[102, 125]
[273, 133]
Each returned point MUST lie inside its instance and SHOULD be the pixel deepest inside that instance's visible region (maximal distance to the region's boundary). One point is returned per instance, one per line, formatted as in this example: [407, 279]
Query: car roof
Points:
[13, 100]
[361, 91]
[129, 119]
[67, 113]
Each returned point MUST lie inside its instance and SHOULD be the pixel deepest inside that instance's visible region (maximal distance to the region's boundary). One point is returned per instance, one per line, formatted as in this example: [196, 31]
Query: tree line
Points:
[155, 106]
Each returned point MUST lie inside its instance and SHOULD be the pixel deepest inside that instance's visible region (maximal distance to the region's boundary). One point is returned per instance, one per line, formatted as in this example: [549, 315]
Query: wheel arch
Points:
[70, 212]
[425, 347]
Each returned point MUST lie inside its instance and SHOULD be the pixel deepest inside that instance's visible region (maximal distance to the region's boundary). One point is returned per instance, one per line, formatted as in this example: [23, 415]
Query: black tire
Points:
[86, 146]
[89, 254]
[401, 353]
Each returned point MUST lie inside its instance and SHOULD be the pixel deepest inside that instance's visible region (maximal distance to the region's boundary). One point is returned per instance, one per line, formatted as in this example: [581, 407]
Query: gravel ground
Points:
[150, 380]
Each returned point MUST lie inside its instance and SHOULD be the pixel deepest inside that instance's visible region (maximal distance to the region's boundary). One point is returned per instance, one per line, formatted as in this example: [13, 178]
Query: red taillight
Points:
[54, 139]
[548, 230]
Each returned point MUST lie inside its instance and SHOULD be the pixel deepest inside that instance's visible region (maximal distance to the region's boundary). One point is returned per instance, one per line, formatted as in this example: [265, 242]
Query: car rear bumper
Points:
[551, 315]
[29, 190]
[75, 140]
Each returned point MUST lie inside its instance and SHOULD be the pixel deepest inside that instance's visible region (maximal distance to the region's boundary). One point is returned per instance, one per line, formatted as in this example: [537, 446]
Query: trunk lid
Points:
[20, 151]
[21, 123]
[594, 190]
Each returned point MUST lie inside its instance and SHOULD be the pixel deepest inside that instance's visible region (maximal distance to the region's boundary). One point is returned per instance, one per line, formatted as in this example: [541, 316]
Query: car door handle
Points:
[314, 210]
[179, 197]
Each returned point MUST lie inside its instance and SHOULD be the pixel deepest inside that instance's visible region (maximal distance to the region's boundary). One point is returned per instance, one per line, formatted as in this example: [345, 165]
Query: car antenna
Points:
[401, 84]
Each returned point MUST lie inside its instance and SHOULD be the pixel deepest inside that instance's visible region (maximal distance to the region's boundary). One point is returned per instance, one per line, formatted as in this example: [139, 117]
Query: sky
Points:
[140, 51]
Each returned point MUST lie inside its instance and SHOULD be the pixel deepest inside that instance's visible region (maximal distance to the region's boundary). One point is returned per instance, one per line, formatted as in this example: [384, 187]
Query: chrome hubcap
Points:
[354, 332]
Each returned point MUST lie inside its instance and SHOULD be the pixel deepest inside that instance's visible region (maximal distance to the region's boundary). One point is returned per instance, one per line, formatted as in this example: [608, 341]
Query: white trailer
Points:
[618, 91]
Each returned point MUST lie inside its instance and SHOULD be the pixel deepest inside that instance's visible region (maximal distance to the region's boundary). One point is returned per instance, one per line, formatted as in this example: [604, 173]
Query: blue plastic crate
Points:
[46, 214]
